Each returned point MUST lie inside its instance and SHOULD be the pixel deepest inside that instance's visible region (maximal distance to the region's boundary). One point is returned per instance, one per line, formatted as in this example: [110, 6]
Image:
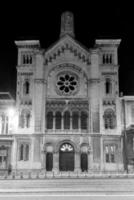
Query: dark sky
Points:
[41, 20]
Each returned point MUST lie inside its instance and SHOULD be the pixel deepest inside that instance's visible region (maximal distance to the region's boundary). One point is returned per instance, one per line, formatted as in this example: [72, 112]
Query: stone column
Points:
[71, 122]
[43, 159]
[55, 161]
[79, 123]
[77, 162]
[90, 160]
[54, 122]
[62, 125]
[101, 158]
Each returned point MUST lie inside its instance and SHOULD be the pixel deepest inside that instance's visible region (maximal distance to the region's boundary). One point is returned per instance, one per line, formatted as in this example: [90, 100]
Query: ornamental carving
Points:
[66, 147]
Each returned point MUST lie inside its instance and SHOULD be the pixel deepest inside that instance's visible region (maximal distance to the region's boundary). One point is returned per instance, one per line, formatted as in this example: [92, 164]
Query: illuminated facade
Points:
[68, 110]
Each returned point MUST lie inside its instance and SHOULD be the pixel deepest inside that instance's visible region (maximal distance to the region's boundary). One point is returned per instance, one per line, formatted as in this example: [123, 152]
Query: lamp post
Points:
[125, 154]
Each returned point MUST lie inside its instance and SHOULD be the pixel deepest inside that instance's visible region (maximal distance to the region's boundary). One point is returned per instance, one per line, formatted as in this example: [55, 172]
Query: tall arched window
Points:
[58, 120]
[67, 120]
[49, 121]
[24, 152]
[24, 119]
[26, 87]
[84, 120]
[110, 153]
[108, 86]
[75, 120]
[109, 119]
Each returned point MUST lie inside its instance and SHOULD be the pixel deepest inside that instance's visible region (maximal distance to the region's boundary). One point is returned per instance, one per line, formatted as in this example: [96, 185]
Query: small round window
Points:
[67, 83]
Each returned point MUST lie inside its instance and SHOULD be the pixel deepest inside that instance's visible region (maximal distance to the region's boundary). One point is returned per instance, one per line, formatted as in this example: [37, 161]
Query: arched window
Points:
[67, 120]
[110, 152]
[26, 87]
[24, 119]
[24, 152]
[108, 86]
[58, 120]
[109, 119]
[75, 120]
[107, 58]
[84, 120]
[49, 123]
[49, 161]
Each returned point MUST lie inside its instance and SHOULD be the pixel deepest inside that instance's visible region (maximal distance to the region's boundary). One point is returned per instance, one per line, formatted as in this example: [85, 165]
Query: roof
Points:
[5, 96]
[127, 98]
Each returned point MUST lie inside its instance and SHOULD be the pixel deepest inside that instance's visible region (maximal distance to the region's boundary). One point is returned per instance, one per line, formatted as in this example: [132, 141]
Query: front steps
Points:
[68, 186]
[116, 184]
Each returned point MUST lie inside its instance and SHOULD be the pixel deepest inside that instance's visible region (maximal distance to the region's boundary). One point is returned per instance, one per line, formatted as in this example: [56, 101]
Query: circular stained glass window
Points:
[67, 83]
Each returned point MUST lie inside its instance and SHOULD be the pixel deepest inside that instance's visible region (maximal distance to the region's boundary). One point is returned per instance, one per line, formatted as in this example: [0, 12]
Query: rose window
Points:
[67, 83]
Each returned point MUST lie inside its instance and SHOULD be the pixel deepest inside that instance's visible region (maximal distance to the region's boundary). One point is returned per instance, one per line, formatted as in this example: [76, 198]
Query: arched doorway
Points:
[66, 157]
[84, 162]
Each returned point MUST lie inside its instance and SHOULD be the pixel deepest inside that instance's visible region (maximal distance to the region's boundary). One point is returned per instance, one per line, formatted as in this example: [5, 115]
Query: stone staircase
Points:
[121, 184]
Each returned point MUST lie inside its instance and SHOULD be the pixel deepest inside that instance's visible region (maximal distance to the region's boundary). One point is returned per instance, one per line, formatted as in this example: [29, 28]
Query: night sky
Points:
[41, 20]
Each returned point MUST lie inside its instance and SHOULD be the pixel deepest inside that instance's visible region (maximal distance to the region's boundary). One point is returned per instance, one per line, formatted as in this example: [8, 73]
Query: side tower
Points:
[28, 83]
[110, 109]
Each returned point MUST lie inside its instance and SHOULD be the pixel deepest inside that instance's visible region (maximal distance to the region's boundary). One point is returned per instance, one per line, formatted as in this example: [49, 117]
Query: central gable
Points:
[67, 44]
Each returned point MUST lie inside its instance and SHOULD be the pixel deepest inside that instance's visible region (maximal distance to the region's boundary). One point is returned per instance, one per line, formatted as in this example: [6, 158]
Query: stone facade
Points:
[68, 106]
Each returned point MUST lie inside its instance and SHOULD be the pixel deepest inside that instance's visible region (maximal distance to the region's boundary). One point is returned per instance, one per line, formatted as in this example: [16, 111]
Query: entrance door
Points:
[66, 157]
[84, 162]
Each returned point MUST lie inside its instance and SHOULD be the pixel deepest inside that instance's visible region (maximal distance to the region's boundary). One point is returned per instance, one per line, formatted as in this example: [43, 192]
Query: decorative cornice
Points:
[34, 44]
[40, 81]
[70, 105]
[69, 45]
[95, 80]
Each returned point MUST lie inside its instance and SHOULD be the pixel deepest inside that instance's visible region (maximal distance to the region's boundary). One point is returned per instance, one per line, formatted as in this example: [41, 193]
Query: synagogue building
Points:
[68, 115]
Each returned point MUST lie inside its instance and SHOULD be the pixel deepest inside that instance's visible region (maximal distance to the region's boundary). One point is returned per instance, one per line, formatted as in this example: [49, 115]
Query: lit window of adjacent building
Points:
[3, 124]
[110, 151]
[109, 119]
[24, 152]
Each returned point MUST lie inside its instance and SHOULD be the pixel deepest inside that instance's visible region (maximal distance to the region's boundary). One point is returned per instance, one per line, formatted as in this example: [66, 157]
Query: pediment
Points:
[67, 43]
